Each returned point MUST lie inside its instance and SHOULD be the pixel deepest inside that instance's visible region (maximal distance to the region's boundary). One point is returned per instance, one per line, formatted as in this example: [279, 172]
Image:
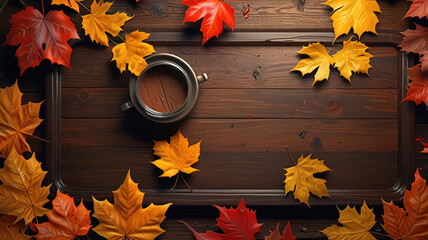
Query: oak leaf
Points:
[21, 193]
[126, 219]
[213, 12]
[237, 224]
[69, 3]
[132, 52]
[176, 156]
[300, 179]
[357, 14]
[354, 226]
[97, 23]
[412, 223]
[41, 37]
[352, 58]
[418, 88]
[419, 8]
[66, 221]
[16, 121]
[9, 230]
[318, 58]
[286, 235]
[425, 150]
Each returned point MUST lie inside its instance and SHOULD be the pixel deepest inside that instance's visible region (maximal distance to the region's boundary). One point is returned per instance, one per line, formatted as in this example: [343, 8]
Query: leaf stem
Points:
[111, 40]
[121, 37]
[3, 5]
[380, 234]
[87, 9]
[43, 7]
[176, 180]
[41, 139]
[292, 159]
[191, 190]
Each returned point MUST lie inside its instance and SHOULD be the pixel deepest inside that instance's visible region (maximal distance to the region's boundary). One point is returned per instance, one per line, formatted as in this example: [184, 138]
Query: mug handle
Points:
[202, 78]
[126, 106]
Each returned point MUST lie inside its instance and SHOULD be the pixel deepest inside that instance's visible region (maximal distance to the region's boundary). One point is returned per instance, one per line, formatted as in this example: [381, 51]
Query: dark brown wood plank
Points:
[244, 103]
[369, 135]
[233, 67]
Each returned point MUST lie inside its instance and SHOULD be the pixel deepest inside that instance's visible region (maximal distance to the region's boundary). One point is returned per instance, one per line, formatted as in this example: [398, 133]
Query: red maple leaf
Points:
[41, 37]
[418, 88]
[66, 221]
[419, 8]
[415, 41]
[412, 223]
[237, 224]
[213, 12]
[286, 235]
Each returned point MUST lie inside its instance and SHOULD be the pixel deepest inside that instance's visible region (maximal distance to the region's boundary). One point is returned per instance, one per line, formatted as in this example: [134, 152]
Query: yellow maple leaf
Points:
[354, 226]
[9, 230]
[126, 219]
[16, 121]
[132, 52]
[300, 179]
[356, 14]
[176, 157]
[69, 3]
[318, 58]
[352, 58]
[21, 193]
[97, 23]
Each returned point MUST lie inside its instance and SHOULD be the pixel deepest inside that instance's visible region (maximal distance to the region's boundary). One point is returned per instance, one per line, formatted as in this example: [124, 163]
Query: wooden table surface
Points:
[244, 121]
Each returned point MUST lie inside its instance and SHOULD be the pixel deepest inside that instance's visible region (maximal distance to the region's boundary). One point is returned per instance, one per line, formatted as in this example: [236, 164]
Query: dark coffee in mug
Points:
[163, 88]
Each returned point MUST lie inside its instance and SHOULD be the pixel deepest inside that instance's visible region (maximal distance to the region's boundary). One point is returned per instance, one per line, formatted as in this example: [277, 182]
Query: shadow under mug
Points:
[183, 72]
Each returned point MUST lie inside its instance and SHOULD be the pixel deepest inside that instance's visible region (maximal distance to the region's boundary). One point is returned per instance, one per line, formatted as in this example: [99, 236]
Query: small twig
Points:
[292, 159]
[191, 190]
[176, 180]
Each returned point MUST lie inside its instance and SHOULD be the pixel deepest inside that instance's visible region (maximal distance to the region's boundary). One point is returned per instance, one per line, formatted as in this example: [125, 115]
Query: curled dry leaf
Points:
[352, 58]
[66, 221]
[126, 219]
[356, 14]
[318, 58]
[354, 226]
[12, 230]
[286, 235]
[213, 12]
[412, 223]
[21, 193]
[132, 52]
[41, 37]
[16, 121]
[176, 156]
[69, 3]
[97, 23]
[301, 180]
[237, 224]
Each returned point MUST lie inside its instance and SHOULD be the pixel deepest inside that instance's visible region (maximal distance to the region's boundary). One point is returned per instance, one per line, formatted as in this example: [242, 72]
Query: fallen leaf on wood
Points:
[132, 52]
[418, 88]
[318, 58]
[176, 156]
[41, 37]
[286, 235]
[425, 150]
[352, 58]
[301, 180]
[213, 12]
[126, 219]
[237, 224]
[354, 225]
[9, 230]
[16, 121]
[97, 23]
[419, 8]
[412, 223]
[66, 221]
[21, 193]
[356, 14]
[415, 41]
[69, 3]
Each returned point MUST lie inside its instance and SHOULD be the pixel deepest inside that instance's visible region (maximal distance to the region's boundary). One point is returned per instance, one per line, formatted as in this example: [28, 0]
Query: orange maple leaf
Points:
[66, 221]
[275, 235]
[16, 121]
[412, 223]
[9, 230]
